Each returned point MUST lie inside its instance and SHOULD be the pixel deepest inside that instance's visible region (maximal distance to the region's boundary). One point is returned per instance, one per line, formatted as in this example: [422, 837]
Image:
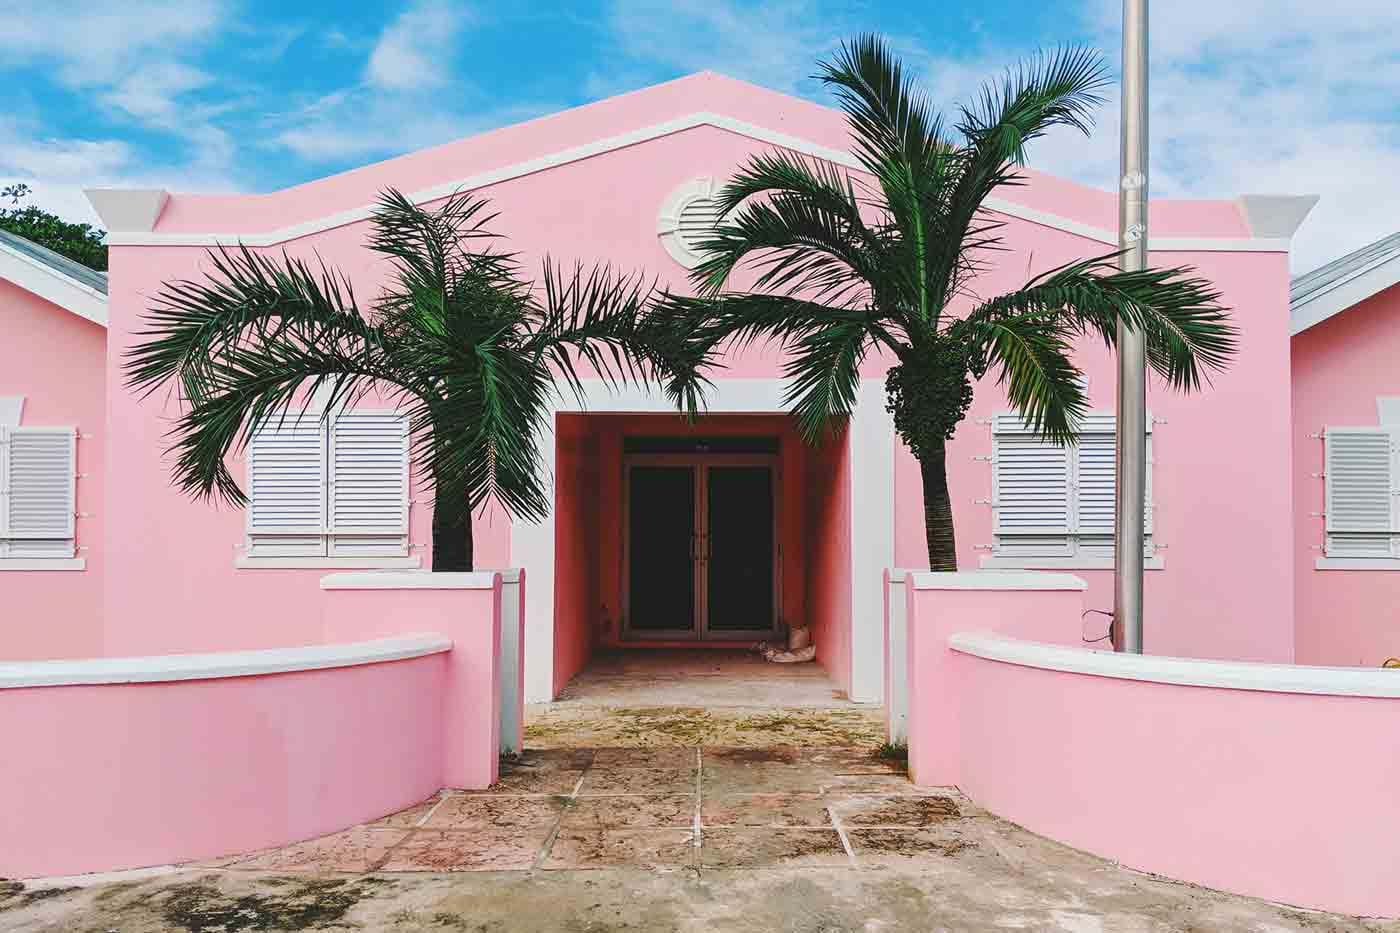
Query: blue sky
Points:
[1248, 95]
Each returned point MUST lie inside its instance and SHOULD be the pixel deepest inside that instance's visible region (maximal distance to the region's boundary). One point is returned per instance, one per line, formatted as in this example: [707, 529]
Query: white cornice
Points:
[1188, 672]
[645, 134]
[128, 210]
[170, 667]
[1347, 291]
[52, 285]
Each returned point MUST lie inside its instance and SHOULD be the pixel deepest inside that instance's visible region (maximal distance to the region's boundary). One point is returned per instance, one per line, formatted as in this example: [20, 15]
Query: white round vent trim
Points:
[686, 217]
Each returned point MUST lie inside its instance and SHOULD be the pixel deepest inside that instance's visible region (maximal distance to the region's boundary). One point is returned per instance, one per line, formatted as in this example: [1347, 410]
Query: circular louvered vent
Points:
[687, 218]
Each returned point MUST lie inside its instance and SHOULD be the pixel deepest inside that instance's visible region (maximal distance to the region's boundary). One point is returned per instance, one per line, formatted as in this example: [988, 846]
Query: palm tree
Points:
[458, 340]
[845, 266]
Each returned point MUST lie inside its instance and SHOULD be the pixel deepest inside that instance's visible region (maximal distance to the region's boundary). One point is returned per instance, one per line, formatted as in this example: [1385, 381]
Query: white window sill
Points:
[328, 563]
[1357, 563]
[43, 563]
[1063, 563]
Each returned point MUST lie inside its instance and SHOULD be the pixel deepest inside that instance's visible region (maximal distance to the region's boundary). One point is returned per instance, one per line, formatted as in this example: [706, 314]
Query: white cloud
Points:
[413, 51]
[99, 43]
[775, 43]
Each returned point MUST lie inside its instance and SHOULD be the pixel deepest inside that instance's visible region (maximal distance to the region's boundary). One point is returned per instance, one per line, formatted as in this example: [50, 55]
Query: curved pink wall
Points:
[126, 775]
[1289, 797]
[55, 359]
[1339, 368]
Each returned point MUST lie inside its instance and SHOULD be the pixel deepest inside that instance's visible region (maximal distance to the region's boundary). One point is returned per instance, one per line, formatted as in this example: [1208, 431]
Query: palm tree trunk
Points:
[452, 534]
[938, 510]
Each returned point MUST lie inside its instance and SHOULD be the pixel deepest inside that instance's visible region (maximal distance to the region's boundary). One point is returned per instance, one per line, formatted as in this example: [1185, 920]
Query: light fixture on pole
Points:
[1132, 371]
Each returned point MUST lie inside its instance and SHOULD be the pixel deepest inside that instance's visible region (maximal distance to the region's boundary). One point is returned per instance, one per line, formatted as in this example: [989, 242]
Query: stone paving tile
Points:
[472, 812]
[772, 848]
[895, 811]
[405, 819]
[678, 757]
[490, 849]
[750, 756]
[355, 849]
[577, 847]
[765, 810]
[638, 781]
[734, 778]
[631, 812]
[875, 785]
[556, 759]
[526, 781]
[848, 761]
[902, 846]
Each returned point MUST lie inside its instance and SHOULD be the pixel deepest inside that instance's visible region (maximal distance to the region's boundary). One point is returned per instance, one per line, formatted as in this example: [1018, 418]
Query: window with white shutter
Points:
[329, 490]
[38, 474]
[1054, 502]
[1363, 489]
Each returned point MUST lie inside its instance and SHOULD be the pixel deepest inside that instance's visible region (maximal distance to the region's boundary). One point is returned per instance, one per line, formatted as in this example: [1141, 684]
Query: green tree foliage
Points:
[79, 242]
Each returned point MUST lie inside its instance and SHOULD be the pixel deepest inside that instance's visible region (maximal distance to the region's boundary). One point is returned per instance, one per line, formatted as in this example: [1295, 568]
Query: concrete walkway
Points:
[712, 839]
[700, 696]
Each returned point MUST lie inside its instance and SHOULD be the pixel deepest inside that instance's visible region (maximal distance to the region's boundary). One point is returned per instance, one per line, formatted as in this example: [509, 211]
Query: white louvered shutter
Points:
[1361, 479]
[369, 484]
[1096, 485]
[1031, 495]
[38, 472]
[287, 488]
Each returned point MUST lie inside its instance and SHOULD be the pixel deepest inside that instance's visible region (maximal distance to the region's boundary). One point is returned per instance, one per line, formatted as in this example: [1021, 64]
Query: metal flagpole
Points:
[1132, 376]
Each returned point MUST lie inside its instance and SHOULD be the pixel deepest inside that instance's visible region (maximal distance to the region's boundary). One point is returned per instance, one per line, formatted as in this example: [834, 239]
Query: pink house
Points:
[624, 180]
[310, 648]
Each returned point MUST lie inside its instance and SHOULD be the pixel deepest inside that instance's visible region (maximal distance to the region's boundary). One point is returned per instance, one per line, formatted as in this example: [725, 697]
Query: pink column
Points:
[466, 607]
[1026, 604]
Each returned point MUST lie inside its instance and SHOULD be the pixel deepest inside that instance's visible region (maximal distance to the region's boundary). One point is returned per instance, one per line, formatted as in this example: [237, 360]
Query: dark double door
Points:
[701, 555]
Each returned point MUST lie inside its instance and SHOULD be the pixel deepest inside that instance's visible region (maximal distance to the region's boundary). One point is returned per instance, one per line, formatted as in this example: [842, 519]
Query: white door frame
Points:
[871, 440]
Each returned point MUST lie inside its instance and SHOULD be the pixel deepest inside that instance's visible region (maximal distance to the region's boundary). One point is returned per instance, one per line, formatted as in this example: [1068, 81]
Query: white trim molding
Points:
[1347, 291]
[993, 580]
[411, 580]
[52, 285]
[1154, 562]
[1186, 672]
[128, 210]
[29, 564]
[871, 439]
[1357, 563]
[133, 236]
[174, 667]
[328, 563]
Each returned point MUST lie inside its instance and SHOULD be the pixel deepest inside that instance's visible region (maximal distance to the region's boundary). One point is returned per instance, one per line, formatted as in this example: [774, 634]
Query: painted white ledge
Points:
[1186, 672]
[328, 563]
[1062, 563]
[43, 563]
[991, 580]
[410, 580]
[173, 667]
[1357, 563]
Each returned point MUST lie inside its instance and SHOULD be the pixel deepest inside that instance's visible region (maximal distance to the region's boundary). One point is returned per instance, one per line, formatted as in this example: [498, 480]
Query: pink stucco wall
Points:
[1221, 517]
[1339, 368]
[54, 358]
[1225, 590]
[577, 558]
[1289, 797]
[1044, 607]
[112, 776]
[829, 555]
[356, 607]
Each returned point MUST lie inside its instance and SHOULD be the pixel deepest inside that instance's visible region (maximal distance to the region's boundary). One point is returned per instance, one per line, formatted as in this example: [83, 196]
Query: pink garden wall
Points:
[103, 776]
[1279, 786]
[1340, 367]
[54, 359]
